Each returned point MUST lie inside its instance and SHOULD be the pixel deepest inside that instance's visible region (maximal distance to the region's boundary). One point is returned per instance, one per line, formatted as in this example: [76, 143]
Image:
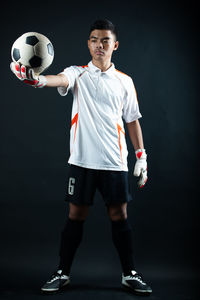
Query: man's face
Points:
[101, 44]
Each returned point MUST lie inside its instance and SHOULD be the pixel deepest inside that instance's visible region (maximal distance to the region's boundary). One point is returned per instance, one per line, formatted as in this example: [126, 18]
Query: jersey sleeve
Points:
[131, 110]
[71, 73]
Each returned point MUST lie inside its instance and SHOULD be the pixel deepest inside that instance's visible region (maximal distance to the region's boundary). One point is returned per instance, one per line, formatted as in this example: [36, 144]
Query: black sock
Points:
[70, 240]
[123, 241]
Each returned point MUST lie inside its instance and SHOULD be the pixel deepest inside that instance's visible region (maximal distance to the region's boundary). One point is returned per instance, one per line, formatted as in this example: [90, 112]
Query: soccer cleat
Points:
[56, 282]
[135, 283]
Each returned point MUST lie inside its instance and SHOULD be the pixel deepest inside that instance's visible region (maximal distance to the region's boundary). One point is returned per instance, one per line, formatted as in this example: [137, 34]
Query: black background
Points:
[158, 49]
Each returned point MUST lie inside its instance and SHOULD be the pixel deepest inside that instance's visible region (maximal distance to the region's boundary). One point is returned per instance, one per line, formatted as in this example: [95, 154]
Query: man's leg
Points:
[70, 241]
[72, 235]
[122, 235]
[123, 241]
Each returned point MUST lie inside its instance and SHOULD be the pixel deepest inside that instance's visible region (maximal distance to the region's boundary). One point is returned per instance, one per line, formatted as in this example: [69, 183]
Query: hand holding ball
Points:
[32, 53]
[28, 76]
[33, 50]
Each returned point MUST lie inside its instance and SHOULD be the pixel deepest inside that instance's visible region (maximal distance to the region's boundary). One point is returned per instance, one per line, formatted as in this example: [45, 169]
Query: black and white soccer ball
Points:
[33, 50]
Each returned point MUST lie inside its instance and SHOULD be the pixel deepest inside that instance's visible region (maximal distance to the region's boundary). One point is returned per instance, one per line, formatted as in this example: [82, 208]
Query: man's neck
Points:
[102, 65]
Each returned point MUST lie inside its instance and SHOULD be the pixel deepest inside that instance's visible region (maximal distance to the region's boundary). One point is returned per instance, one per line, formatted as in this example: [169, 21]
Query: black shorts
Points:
[83, 182]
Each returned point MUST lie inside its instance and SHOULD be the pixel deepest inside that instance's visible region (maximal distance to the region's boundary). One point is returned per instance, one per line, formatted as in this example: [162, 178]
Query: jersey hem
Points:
[97, 167]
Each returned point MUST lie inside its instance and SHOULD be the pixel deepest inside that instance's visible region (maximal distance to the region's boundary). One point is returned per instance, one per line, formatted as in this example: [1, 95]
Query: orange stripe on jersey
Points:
[134, 86]
[119, 129]
[120, 72]
[75, 121]
[84, 66]
[75, 118]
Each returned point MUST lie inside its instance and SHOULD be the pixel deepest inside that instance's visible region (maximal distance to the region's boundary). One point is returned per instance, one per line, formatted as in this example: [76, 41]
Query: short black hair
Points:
[104, 24]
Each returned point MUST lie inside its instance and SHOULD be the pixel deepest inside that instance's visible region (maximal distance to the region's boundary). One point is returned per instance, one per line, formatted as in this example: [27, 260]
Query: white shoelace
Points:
[53, 279]
[138, 278]
[135, 277]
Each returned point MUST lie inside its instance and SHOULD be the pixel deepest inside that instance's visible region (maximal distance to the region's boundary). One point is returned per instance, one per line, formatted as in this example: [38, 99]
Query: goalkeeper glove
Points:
[28, 75]
[141, 167]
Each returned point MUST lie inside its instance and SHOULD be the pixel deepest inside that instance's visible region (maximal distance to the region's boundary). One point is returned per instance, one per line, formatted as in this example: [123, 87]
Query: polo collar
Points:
[94, 69]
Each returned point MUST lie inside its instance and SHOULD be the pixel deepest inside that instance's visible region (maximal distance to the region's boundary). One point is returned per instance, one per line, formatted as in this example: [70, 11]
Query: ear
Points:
[116, 46]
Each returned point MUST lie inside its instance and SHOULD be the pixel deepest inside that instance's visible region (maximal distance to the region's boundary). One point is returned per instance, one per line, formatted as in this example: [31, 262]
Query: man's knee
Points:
[117, 212]
[78, 212]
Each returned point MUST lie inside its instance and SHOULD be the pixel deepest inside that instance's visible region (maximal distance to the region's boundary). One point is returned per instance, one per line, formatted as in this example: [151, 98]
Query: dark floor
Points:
[106, 290]
[26, 285]
[30, 253]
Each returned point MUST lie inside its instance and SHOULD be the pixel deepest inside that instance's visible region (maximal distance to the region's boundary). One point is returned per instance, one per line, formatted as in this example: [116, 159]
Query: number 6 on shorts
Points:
[71, 186]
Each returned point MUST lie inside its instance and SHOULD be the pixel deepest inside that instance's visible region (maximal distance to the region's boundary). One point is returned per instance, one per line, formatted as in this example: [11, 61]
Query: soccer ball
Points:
[33, 50]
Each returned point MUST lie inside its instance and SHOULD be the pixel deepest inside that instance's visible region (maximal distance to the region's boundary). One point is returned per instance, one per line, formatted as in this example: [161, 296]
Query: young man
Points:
[98, 151]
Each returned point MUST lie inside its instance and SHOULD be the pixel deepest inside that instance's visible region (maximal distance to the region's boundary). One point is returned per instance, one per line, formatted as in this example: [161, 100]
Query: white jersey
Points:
[100, 101]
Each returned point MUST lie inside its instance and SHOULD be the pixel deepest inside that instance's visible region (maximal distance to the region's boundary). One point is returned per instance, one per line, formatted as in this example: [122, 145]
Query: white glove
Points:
[141, 167]
[28, 75]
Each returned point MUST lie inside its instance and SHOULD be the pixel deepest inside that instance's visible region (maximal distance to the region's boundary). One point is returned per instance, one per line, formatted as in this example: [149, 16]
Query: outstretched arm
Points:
[56, 80]
[28, 76]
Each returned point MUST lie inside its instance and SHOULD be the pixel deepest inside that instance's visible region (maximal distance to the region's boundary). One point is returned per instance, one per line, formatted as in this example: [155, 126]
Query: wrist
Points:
[140, 153]
[42, 81]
